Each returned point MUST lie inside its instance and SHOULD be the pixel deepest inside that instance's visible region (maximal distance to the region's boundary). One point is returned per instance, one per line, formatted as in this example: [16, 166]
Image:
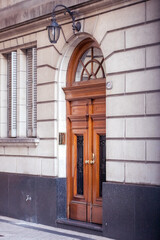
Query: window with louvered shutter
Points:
[12, 94]
[31, 92]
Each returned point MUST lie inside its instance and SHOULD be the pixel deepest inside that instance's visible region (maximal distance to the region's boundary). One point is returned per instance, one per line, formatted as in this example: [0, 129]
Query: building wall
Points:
[128, 33]
[8, 3]
[130, 44]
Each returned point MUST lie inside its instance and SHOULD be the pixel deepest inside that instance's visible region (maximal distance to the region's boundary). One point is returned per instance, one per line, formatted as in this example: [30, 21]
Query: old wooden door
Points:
[86, 149]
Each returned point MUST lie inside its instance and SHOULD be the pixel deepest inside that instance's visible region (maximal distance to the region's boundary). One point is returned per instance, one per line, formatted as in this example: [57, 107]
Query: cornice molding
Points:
[94, 90]
[25, 13]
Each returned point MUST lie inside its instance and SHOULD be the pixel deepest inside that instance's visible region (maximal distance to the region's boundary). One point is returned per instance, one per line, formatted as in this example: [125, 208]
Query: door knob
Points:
[92, 162]
[86, 161]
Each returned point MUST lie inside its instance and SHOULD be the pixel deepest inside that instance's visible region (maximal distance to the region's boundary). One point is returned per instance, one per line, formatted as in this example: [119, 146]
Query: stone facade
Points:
[128, 33]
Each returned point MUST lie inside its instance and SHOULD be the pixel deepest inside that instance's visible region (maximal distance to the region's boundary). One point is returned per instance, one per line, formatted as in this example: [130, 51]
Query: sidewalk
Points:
[13, 229]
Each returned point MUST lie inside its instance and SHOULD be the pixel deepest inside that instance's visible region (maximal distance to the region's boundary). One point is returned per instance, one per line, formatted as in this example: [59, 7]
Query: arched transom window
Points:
[90, 65]
[86, 65]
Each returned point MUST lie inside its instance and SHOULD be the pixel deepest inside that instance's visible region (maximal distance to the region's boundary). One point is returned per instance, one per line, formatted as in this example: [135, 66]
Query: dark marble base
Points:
[131, 212]
[33, 198]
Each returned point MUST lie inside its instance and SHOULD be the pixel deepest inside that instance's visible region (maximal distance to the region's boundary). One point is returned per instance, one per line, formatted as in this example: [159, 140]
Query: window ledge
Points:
[33, 142]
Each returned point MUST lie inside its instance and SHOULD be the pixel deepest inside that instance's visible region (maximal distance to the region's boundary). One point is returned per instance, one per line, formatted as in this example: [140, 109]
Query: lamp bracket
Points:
[75, 26]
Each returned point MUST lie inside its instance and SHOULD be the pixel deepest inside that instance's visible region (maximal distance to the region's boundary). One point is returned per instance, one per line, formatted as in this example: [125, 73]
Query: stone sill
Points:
[20, 142]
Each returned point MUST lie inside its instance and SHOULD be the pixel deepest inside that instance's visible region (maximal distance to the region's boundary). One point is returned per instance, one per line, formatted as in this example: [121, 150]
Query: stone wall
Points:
[8, 3]
[129, 39]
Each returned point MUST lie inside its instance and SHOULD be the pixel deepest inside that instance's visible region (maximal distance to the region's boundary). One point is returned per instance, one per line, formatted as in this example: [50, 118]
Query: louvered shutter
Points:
[34, 92]
[9, 93]
[31, 92]
[12, 94]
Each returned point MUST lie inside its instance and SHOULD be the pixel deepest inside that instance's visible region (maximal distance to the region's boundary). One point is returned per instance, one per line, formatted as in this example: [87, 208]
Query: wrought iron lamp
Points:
[54, 28]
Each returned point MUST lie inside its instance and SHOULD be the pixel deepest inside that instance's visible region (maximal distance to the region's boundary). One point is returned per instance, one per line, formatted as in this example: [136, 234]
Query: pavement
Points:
[13, 229]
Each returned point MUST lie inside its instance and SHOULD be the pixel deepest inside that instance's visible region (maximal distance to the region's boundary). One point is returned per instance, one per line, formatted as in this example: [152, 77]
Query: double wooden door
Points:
[87, 156]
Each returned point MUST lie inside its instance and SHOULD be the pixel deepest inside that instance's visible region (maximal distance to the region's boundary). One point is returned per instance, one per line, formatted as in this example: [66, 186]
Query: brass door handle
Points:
[93, 159]
[86, 161]
[92, 162]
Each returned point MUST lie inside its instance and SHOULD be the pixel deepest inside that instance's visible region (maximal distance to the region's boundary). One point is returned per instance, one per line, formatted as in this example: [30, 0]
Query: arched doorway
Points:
[86, 132]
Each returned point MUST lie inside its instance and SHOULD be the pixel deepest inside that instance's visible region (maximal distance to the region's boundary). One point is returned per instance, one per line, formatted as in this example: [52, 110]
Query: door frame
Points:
[73, 91]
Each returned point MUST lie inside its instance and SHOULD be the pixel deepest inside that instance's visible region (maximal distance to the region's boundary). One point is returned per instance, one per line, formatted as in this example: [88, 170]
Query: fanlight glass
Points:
[90, 66]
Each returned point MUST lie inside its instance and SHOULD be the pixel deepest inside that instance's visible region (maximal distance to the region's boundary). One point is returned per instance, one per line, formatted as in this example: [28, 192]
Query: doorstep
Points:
[79, 226]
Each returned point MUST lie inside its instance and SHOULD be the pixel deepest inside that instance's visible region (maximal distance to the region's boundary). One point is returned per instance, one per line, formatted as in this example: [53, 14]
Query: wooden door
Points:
[86, 152]
[88, 159]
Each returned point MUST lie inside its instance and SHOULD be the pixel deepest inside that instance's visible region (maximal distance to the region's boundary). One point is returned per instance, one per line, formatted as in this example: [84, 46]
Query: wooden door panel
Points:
[97, 214]
[99, 124]
[99, 106]
[79, 195]
[78, 211]
[79, 125]
[96, 168]
[78, 204]
[79, 110]
[97, 185]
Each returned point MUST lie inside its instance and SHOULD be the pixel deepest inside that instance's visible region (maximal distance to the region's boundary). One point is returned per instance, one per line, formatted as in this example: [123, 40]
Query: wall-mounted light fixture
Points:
[54, 28]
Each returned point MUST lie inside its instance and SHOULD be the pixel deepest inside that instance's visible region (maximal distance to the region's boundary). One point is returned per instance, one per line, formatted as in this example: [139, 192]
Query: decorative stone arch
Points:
[96, 99]
[61, 77]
